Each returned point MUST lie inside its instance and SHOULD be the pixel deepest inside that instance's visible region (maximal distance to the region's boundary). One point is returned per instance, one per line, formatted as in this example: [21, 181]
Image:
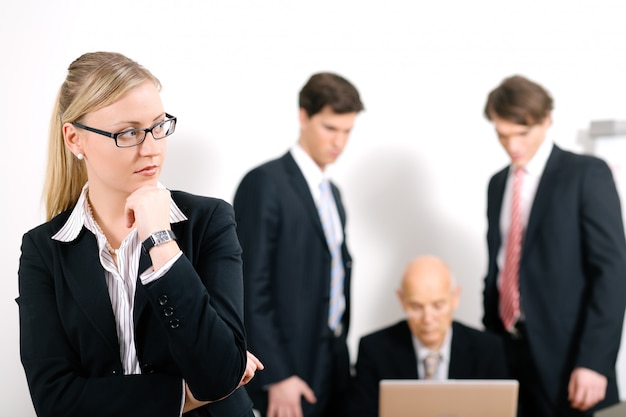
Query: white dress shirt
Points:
[314, 176]
[422, 351]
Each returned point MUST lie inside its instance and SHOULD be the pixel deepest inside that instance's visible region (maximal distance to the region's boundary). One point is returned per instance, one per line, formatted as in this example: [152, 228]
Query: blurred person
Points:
[556, 278]
[428, 344]
[291, 225]
[130, 295]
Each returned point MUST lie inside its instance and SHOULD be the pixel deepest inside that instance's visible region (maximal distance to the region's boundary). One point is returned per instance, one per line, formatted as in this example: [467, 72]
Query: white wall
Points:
[414, 175]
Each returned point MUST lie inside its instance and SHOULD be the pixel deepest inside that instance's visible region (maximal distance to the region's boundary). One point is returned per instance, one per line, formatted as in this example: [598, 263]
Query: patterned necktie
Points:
[330, 220]
[509, 285]
[431, 363]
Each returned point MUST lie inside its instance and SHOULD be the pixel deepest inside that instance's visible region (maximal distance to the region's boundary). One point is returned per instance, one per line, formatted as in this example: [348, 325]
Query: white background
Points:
[415, 173]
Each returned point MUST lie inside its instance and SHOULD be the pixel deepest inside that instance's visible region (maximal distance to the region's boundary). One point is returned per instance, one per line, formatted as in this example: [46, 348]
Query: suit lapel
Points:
[544, 189]
[141, 299]
[85, 280]
[340, 210]
[404, 357]
[499, 186]
[540, 202]
[495, 207]
[461, 354]
[301, 188]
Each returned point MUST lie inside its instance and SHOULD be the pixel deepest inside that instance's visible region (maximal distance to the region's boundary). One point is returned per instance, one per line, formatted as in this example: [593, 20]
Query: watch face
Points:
[161, 237]
[157, 238]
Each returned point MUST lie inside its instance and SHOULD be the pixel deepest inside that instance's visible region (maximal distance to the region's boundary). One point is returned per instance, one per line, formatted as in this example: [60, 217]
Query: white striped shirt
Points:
[121, 278]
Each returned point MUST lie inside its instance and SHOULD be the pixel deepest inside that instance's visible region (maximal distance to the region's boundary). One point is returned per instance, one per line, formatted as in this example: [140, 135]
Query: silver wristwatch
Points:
[157, 238]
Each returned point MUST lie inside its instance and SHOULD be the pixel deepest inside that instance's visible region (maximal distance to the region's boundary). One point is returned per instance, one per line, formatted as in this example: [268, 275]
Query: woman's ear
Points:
[72, 139]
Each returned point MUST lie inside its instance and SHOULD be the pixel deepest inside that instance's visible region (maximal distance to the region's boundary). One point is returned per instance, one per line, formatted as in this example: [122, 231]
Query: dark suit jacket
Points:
[188, 323]
[389, 354]
[572, 271]
[287, 277]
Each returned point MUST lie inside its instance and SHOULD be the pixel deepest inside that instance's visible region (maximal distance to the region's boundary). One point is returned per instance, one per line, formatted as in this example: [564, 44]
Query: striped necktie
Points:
[431, 363]
[329, 218]
[509, 285]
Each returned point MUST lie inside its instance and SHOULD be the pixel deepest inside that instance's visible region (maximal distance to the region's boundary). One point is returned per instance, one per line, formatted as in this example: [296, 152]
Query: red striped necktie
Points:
[509, 285]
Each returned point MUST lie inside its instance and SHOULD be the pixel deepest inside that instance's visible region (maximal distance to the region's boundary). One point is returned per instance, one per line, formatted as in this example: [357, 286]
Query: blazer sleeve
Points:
[200, 304]
[604, 261]
[258, 218]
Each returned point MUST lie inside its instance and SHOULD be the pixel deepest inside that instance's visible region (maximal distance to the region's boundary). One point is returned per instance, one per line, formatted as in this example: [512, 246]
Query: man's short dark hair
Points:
[519, 100]
[328, 89]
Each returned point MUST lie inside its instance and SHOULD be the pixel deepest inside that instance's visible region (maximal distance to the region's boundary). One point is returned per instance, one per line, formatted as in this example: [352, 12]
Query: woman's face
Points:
[109, 167]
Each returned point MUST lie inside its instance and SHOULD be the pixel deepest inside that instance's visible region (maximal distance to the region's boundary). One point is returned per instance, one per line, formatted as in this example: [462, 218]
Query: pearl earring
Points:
[80, 156]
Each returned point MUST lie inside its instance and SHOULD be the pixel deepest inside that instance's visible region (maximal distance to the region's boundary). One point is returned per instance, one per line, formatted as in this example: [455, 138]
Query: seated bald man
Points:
[428, 344]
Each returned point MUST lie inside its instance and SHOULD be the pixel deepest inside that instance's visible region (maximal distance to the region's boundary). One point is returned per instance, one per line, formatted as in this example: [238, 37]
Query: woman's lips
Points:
[148, 171]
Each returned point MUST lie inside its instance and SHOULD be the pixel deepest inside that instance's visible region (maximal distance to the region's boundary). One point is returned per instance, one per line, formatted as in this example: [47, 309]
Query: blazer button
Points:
[348, 264]
[174, 323]
[168, 311]
[162, 300]
[148, 368]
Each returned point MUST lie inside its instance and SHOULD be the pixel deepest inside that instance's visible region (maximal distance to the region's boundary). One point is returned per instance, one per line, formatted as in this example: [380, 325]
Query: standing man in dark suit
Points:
[296, 263]
[556, 279]
[429, 344]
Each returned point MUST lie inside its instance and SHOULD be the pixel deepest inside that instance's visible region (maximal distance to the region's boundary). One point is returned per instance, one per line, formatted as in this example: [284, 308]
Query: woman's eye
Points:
[129, 134]
[159, 127]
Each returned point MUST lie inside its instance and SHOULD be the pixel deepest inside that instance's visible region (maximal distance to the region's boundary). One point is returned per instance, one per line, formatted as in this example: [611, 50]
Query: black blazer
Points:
[188, 324]
[286, 275]
[389, 354]
[572, 271]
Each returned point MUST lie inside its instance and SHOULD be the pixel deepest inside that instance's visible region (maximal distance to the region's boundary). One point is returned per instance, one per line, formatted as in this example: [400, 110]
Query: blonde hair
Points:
[94, 80]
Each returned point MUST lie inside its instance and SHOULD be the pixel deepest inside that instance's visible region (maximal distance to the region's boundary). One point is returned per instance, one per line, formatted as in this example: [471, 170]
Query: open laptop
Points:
[451, 398]
[618, 410]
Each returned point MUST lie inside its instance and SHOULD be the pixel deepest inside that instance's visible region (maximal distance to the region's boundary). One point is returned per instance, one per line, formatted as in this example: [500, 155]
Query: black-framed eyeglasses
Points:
[133, 137]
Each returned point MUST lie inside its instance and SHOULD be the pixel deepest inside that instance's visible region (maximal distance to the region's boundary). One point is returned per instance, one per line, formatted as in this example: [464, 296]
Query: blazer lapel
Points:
[404, 357]
[461, 355]
[541, 200]
[141, 300]
[495, 208]
[340, 209]
[499, 186]
[301, 188]
[85, 279]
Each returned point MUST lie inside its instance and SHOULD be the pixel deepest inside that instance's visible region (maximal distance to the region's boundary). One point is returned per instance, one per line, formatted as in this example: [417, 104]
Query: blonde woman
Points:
[130, 295]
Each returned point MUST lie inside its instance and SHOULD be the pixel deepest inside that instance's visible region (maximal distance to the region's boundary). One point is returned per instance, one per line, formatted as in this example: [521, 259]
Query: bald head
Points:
[429, 296]
[427, 268]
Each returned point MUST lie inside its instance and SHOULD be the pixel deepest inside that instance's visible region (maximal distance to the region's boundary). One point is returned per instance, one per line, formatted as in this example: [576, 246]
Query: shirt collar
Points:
[444, 350]
[311, 172]
[79, 217]
[307, 165]
[538, 162]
